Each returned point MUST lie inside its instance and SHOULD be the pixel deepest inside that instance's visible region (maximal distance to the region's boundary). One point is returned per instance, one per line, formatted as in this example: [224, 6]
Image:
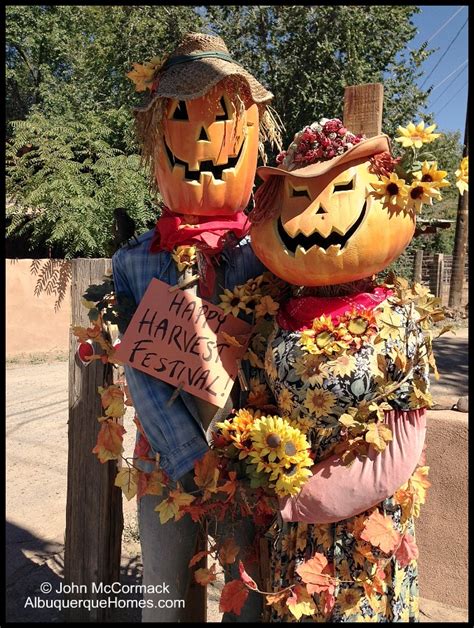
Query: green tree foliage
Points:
[74, 178]
[71, 149]
[306, 55]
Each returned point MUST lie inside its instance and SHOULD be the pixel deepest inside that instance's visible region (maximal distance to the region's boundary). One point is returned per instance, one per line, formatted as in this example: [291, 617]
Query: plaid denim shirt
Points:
[175, 432]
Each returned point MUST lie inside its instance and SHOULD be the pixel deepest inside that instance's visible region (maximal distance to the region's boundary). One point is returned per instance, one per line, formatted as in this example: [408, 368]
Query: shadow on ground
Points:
[31, 562]
[451, 355]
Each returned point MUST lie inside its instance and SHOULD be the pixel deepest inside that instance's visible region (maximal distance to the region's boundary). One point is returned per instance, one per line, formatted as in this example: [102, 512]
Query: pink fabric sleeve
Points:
[337, 491]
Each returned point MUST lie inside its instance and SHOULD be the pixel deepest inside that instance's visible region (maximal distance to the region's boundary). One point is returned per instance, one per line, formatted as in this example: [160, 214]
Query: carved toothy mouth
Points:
[204, 166]
[305, 243]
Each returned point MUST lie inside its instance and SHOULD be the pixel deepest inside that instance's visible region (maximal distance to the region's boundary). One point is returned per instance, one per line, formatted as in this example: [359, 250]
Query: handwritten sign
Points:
[181, 339]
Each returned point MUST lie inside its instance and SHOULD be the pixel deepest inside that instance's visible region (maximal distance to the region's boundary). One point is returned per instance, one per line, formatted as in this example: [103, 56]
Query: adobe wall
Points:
[32, 324]
[442, 530]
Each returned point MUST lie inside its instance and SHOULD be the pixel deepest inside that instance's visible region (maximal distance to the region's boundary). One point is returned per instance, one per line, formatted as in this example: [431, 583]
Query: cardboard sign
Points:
[179, 338]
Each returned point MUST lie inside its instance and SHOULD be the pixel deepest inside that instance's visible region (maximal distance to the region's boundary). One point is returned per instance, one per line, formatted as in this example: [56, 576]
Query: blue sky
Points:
[441, 25]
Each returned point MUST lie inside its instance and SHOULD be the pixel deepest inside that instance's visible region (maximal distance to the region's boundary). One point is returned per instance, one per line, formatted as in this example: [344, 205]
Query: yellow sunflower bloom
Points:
[416, 135]
[291, 480]
[421, 194]
[391, 191]
[429, 173]
[285, 400]
[273, 437]
[233, 301]
[184, 256]
[462, 176]
[319, 401]
[323, 323]
[357, 326]
[311, 369]
[282, 451]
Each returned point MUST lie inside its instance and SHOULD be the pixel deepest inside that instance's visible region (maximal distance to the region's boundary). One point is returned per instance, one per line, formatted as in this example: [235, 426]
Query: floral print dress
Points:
[315, 384]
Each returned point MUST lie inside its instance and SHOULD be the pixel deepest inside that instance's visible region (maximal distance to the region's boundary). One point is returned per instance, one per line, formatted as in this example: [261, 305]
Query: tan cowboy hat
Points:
[365, 148]
[198, 63]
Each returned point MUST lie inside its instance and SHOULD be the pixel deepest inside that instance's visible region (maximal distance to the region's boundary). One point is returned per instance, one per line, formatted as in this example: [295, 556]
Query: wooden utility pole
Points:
[94, 519]
[460, 239]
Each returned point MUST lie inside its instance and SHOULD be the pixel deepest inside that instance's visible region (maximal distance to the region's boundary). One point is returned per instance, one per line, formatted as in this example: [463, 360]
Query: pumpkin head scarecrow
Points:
[201, 132]
[347, 360]
[201, 128]
[320, 224]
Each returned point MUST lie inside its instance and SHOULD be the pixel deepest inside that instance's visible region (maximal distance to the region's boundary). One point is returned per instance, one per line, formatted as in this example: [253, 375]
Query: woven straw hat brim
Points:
[188, 81]
[367, 148]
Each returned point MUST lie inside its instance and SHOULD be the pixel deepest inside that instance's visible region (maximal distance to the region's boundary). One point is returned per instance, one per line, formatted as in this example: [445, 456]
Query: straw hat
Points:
[198, 63]
[354, 147]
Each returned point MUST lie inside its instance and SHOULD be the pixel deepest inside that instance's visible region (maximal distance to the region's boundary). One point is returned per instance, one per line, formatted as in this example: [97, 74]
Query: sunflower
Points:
[429, 173]
[291, 480]
[392, 191]
[462, 176]
[322, 338]
[311, 368]
[281, 451]
[285, 400]
[416, 135]
[233, 301]
[357, 327]
[184, 256]
[275, 438]
[319, 401]
[421, 193]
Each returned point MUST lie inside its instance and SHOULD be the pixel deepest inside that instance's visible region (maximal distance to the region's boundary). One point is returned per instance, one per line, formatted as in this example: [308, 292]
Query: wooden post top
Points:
[363, 108]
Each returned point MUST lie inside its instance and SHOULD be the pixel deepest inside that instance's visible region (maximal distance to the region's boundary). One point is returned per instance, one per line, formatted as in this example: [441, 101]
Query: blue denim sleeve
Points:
[172, 431]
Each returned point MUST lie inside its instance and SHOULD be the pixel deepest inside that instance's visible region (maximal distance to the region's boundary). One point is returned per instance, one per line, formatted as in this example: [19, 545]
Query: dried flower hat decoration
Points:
[321, 140]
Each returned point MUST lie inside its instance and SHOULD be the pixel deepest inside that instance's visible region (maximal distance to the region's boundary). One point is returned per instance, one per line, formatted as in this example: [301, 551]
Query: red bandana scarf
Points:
[209, 234]
[298, 313]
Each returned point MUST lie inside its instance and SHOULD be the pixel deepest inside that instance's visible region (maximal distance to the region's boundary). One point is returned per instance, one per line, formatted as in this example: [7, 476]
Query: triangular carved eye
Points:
[224, 114]
[343, 187]
[299, 192]
[181, 113]
[203, 135]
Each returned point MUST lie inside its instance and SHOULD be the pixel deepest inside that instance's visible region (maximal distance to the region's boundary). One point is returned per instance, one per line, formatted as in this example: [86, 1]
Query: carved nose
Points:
[203, 136]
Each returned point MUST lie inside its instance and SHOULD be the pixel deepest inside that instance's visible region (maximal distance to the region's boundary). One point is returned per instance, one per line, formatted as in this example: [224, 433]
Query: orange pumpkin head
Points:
[327, 228]
[208, 154]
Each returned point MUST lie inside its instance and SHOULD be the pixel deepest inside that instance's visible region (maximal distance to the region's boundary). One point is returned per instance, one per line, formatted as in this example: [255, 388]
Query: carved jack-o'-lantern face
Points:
[206, 165]
[329, 230]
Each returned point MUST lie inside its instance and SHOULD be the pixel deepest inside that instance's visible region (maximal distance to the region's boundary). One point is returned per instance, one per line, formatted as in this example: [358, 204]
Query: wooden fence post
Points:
[438, 273]
[94, 519]
[363, 107]
[418, 266]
